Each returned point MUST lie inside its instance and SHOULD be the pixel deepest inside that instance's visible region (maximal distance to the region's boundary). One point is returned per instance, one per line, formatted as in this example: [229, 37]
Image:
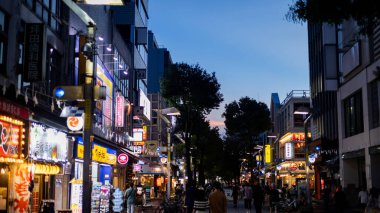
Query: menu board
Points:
[105, 195]
[76, 196]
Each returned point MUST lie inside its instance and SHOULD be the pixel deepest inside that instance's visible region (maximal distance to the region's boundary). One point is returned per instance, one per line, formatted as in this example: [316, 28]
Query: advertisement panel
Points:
[48, 143]
[103, 109]
[11, 133]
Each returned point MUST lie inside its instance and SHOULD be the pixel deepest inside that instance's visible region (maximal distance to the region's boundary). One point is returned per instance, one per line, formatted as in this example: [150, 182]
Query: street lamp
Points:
[172, 111]
[306, 111]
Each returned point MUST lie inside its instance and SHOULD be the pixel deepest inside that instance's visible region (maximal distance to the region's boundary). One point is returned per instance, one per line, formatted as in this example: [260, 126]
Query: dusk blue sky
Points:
[249, 44]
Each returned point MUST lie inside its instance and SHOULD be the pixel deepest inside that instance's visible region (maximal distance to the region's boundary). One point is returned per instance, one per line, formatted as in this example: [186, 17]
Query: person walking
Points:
[373, 202]
[130, 197]
[340, 199]
[326, 198]
[201, 204]
[217, 199]
[258, 197]
[247, 197]
[363, 198]
[274, 197]
[235, 194]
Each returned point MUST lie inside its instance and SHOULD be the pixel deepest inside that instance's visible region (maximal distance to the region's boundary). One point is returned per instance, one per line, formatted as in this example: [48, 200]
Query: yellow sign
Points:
[99, 154]
[268, 154]
[138, 143]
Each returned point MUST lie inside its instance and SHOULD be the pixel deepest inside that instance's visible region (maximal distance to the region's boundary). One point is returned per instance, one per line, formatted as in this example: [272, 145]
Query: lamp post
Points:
[306, 111]
[169, 112]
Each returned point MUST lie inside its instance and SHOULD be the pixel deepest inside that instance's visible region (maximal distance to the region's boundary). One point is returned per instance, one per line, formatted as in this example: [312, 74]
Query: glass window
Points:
[39, 9]
[353, 114]
[2, 22]
[373, 100]
[3, 41]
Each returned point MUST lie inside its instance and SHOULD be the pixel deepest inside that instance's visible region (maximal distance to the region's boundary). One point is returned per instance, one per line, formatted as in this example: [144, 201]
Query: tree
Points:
[244, 121]
[194, 93]
[365, 12]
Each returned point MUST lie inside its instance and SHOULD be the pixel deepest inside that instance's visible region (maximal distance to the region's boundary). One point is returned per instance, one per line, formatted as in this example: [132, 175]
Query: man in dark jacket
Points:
[258, 197]
[274, 196]
[340, 199]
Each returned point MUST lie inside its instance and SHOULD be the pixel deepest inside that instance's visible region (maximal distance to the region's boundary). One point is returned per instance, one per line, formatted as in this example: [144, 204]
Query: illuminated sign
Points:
[138, 134]
[75, 123]
[103, 109]
[119, 111]
[268, 154]
[99, 153]
[150, 148]
[289, 137]
[11, 136]
[122, 158]
[289, 151]
[47, 143]
[145, 133]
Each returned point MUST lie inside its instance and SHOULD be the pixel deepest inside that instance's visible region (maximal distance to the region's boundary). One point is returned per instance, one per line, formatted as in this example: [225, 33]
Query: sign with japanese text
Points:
[48, 143]
[289, 151]
[35, 52]
[122, 158]
[12, 109]
[99, 153]
[119, 111]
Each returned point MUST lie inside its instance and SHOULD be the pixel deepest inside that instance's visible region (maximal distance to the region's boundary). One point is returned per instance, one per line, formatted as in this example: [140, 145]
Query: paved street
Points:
[240, 208]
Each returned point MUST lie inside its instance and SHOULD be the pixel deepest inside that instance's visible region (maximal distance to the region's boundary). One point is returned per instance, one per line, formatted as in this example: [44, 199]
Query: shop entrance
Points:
[4, 174]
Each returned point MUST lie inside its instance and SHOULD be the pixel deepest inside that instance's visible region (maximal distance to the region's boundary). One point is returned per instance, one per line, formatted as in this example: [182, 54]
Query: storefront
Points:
[48, 148]
[14, 172]
[292, 173]
[103, 161]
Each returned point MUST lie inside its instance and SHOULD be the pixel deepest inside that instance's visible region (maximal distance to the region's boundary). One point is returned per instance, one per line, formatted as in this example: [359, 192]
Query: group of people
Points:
[210, 198]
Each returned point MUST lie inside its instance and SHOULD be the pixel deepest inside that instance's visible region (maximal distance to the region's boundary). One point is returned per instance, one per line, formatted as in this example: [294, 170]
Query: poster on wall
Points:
[36, 195]
[76, 196]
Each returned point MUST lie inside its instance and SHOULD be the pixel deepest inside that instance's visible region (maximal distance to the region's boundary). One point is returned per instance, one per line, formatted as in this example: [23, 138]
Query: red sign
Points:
[10, 138]
[12, 109]
[122, 158]
[293, 167]
[119, 112]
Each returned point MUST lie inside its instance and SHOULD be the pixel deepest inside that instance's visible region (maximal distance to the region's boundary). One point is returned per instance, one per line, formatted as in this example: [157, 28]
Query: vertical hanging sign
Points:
[35, 52]
[119, 114]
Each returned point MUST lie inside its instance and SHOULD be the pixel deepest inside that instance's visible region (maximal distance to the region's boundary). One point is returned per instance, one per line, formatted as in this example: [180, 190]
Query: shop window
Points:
[353, 114]
[373, 100]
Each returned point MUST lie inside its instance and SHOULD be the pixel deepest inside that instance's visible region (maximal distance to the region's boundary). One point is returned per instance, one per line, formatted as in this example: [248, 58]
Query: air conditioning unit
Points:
[138, 110]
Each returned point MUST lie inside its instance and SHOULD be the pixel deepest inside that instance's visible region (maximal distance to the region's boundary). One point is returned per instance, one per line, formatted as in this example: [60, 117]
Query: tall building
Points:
[159, 61]
[358, 107]
[323, 62]
[289, 160]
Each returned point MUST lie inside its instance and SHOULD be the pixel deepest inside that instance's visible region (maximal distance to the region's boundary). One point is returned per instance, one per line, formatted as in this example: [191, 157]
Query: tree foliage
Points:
[365, 12]
[194, 92]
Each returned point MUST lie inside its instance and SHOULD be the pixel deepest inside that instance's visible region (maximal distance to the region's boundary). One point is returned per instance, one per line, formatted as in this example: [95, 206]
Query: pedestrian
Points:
[258, 197]
[326, 198]
[217, 199]
[248, 197]
[373, 202]
[363, 198]
[340, 199]
[201, 204]
[235, 194]
[189, 200]
[129, 197]
[274, 197]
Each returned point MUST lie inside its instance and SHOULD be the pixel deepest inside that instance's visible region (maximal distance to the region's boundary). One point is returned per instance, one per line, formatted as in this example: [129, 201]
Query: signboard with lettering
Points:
[35, 52]
[289, 151]
[119, 111]
[13, 109]
[47, 143]
[99, 153]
